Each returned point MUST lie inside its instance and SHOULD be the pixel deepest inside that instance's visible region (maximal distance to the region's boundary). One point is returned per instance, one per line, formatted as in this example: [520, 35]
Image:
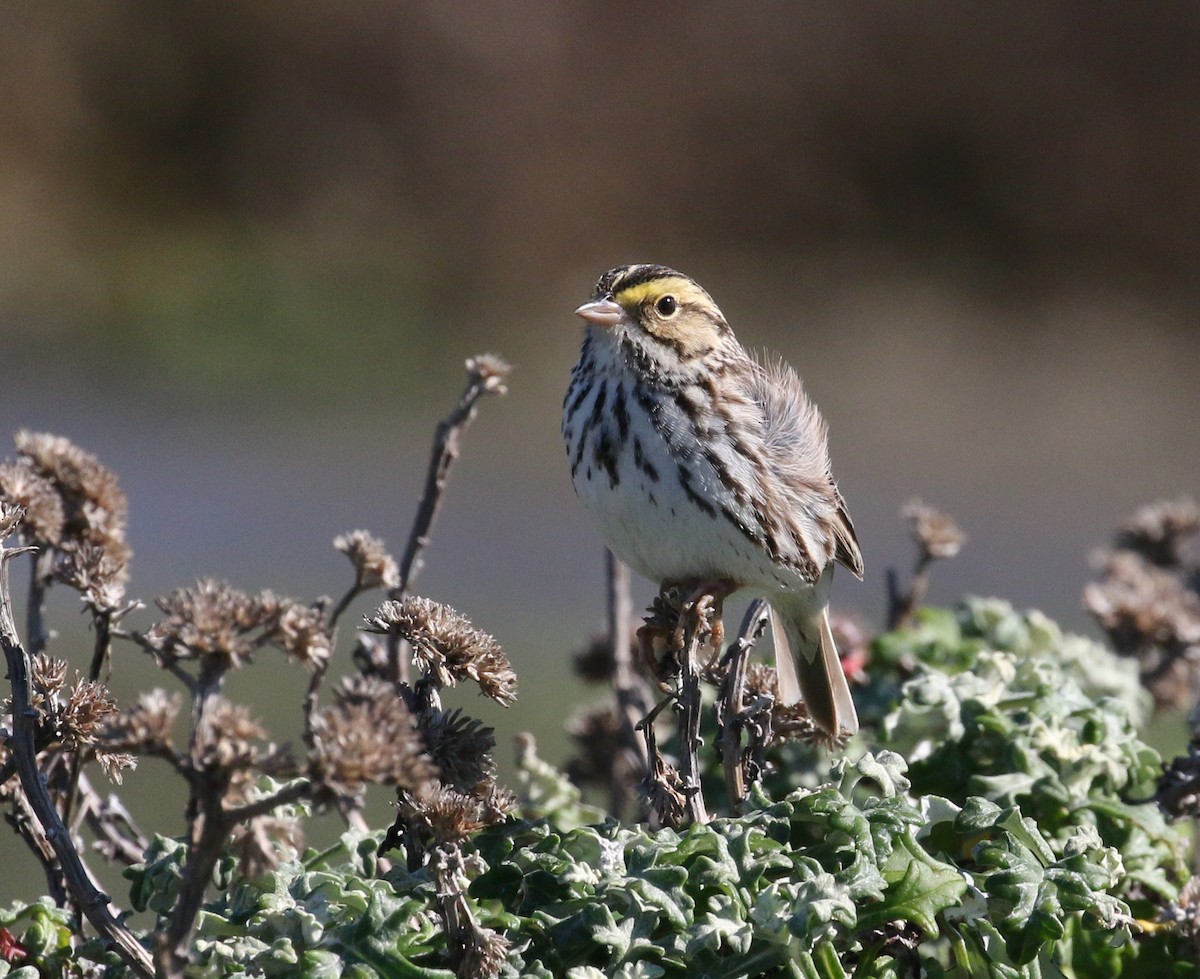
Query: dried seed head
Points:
[374, 567]
[1159, 531]
[48, 675]
[445, 817]
[594, 663]
[10, 516]
[485, 953]
[212, 619]
[234, 733]
[21, 486]
[1150, 614]
[1140, 605]
[303, 633]
[114, 763]
[147, 726]
[489, 371]
[81, 718]
[94, 507]
[460, 747]
[92, 572]
[599, 745]
[368, 735]
[935, 533]
[664, 793]
[446, 647]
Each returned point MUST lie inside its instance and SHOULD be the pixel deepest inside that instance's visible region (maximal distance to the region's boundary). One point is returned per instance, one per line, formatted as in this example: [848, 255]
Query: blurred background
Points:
[245, 249]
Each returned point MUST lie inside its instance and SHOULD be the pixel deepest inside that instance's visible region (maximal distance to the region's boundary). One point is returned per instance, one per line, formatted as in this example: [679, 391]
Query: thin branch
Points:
[35, 612]
[291, 792]
[207, 833]
[344, 603]
[118, 837]
[730, 705]
[485, 375]
[628, 690]
[93, 902]
[902, 604]
[696, 629]
[164, 663]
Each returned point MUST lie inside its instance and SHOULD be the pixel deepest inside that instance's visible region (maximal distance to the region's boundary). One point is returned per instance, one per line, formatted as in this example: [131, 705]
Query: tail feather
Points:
[809, 669]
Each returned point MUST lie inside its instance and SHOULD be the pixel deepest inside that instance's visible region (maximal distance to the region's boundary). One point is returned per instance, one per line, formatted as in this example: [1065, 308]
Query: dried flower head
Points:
[48, 676]
[94, 507]
[21, 486]
[234, 737]
[485, 953]
[146, 726]
[1140, 605]
[594, 663]
[302, 631]
[212, 619]
[935, 533]
[91, 571]
[75, 717]
[788, 722]
[114, 764]
[489, 371]
[444, 816]
[82, 716]
[460, 747]
[368, 735]
[663, 790]
[446, 647]
[374, 567]
[597, 736]
[1159, 531]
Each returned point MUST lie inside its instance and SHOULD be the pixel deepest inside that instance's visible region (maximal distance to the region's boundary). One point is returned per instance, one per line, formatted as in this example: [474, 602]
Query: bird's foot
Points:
[706, 599]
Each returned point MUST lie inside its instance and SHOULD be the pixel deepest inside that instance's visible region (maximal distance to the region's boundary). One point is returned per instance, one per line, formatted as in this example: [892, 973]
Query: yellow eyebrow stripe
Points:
[677, 286]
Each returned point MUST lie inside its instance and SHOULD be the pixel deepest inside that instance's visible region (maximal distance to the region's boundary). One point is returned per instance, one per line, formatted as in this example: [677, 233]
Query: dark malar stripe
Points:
[581, 393]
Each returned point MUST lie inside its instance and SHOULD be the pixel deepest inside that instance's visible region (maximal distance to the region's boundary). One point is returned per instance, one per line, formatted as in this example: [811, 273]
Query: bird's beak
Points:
[602, 311]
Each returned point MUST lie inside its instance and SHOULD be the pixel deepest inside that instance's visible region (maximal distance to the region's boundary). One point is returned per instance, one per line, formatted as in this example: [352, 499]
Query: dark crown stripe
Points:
[626, 276]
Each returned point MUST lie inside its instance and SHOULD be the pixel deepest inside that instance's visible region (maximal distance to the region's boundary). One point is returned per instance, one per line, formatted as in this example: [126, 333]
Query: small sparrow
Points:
[701, 463]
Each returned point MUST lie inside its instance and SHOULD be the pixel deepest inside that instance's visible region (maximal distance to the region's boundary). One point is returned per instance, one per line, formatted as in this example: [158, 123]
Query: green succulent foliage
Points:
[1009, 845]
[45, 936]
[1019, 729]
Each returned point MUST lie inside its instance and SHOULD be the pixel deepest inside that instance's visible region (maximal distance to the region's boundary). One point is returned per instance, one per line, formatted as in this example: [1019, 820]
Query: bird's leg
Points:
[716, 590]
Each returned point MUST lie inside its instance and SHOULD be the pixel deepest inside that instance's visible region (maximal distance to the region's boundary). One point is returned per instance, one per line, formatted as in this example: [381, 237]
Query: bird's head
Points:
[663, 312]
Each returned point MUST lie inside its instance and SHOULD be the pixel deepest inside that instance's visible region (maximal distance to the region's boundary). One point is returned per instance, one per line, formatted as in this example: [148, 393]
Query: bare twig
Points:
[485, 375]
[730, 705]
[936, 536]
[118, 838]
[696, 628]
[628, 690]
[93, 902]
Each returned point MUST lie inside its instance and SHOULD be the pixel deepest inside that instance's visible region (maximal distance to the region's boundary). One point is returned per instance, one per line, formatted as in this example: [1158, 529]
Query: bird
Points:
[702, 462]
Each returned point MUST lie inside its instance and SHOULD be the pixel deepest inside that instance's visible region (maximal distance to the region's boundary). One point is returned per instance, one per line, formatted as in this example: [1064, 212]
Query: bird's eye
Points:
[666, 306]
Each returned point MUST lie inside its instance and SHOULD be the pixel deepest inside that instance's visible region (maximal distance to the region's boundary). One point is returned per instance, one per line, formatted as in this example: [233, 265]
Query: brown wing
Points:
[846, 549]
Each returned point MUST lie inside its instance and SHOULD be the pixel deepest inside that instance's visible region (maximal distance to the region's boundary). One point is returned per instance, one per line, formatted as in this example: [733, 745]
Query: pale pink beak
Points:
[602, 312]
